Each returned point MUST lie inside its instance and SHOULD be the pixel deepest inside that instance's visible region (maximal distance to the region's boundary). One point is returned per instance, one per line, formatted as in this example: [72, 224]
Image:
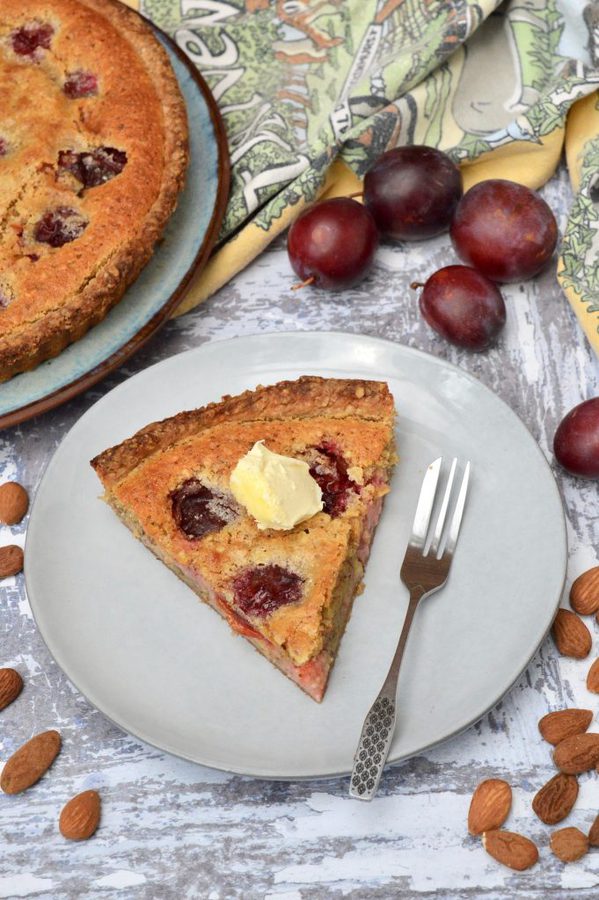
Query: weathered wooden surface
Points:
[171, 829]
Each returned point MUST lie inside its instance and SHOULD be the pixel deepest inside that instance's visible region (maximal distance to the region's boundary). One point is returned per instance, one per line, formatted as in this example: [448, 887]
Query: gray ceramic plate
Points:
[167, 669]
[187, 241]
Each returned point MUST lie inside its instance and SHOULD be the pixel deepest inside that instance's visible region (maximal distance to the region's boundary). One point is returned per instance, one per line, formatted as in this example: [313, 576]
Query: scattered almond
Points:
[11, 560]
[571, 635]
[594, 833]
[511, 849]
[575, 751]
[584, 593]
[29, 762]
[80, 816]
[578, 753]
[556, 798]
[557, 726]
[490, 806]
[593, 678]
[569, 844]
[14, 502]
[11, 685]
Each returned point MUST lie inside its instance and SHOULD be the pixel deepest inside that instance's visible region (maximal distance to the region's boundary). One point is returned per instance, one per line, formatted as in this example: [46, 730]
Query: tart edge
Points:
[306, 397]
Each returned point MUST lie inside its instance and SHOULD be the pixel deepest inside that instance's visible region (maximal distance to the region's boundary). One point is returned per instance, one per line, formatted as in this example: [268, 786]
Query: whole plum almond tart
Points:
[290, 593]
[93, 152]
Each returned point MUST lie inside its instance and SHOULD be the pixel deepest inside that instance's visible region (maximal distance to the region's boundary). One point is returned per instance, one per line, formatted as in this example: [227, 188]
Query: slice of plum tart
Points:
[93, 153]
[289, 593]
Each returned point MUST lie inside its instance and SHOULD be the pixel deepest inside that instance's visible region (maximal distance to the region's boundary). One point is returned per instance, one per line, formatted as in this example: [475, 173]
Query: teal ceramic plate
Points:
[188, 239]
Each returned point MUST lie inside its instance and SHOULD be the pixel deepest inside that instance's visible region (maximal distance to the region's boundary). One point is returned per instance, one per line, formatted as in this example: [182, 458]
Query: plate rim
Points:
[264, 774]
[118, 357]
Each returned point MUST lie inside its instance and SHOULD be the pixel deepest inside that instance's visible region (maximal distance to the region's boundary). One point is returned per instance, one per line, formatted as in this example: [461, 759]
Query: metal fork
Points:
[424, 570]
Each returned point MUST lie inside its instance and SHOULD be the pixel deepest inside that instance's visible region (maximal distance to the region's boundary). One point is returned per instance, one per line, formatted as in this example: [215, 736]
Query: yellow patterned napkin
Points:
[578, 264]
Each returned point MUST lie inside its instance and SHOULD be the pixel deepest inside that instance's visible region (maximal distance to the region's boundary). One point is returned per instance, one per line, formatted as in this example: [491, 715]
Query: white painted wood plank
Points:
[171, 829]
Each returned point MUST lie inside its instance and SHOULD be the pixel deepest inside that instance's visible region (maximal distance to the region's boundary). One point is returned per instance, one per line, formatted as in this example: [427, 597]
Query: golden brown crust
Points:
[307, 397]
[353, 418]
[138, 109]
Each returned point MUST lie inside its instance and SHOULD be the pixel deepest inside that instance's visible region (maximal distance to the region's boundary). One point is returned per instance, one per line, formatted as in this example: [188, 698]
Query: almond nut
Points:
[594, 833]
[584, 593]
[11, 560]
[80, 816]
[14, 502]
[578, 753]
[569, 844]
[556, 798]
[511, 849]
[593, 678]
[490, 806]
[29, 762]
[571, 635]
[557, 726]
[11, 685]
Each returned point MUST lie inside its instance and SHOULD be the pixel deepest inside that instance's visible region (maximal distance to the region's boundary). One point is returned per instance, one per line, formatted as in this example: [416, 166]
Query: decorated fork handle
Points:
[377, 731]
[373, 748]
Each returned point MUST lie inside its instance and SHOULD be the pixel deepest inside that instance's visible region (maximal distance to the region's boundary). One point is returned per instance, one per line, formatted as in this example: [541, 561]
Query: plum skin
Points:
[463, 306]
[504, 230]
[576, 441]
[333, 243]
[412, 192]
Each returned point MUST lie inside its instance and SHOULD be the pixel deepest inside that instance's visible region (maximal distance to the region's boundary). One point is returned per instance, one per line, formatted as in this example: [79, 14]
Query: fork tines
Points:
[441, 539]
